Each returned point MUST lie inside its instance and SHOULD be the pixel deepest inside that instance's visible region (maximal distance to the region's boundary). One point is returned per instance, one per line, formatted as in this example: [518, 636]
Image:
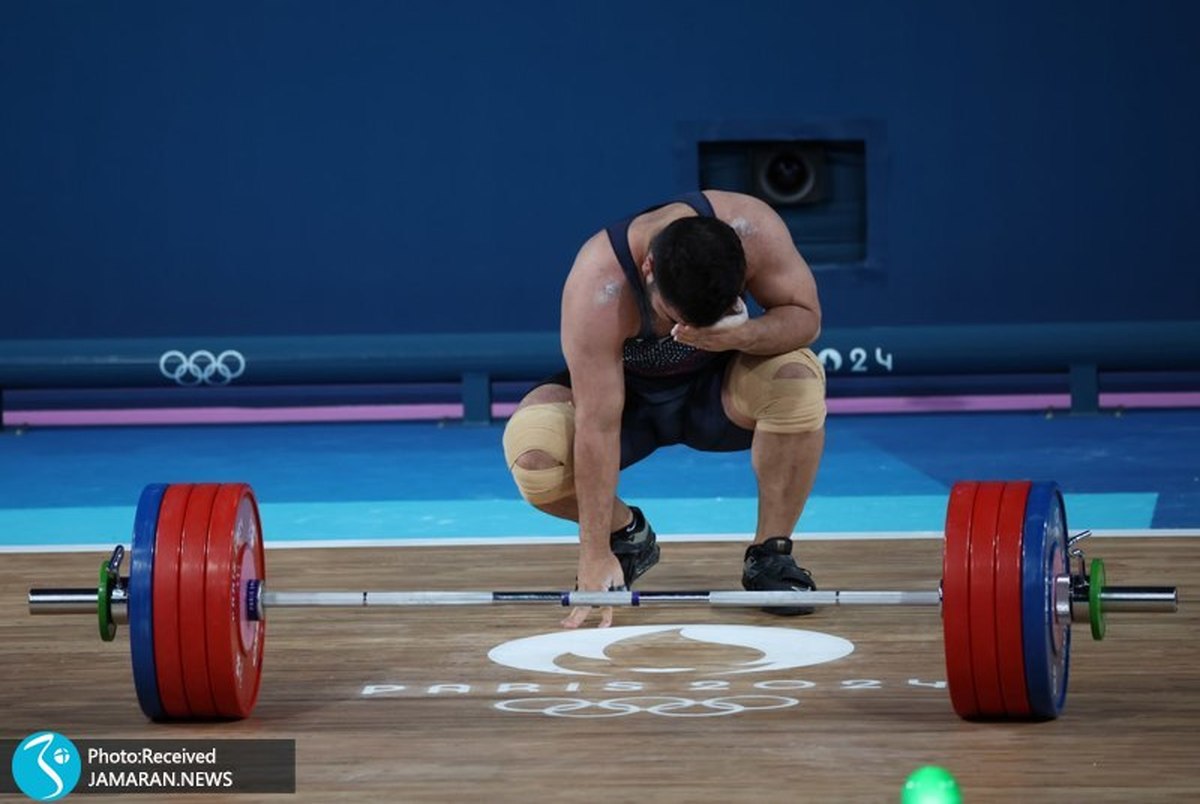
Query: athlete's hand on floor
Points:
[596, 574]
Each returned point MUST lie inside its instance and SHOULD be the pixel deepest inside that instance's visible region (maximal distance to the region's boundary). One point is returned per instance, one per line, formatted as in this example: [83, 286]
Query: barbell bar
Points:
[1143, 599]
[196, 599]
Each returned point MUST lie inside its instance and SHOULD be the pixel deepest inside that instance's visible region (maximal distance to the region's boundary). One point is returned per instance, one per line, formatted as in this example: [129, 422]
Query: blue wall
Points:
[304, 167]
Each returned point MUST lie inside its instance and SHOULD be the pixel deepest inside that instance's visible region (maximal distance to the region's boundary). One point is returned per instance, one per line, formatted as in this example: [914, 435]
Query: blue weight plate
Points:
[1046, 638]
[141, 598]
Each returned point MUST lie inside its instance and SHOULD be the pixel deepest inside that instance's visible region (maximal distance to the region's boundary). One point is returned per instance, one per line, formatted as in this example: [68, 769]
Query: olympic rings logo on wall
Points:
[202, 367]
[663, 705]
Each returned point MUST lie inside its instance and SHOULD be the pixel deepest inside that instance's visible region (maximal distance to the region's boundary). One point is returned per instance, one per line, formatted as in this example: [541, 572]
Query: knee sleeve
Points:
[548, 428]
[783, 393]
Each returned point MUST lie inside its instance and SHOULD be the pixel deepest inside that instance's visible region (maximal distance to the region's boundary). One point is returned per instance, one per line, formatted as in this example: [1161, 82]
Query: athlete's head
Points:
[699, 268]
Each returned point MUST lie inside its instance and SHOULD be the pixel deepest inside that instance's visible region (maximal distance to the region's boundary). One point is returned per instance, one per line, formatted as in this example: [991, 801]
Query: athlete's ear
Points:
[648, 268]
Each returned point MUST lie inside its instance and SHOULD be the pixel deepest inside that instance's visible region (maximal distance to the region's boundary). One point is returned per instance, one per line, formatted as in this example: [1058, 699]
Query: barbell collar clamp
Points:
[114, 562]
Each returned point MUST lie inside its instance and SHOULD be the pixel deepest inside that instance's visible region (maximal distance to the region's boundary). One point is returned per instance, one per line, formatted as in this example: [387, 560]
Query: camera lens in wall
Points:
[789, 174]
[818, 187]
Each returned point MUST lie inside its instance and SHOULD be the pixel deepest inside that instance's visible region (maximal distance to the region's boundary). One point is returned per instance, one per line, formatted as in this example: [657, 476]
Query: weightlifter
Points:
[660, 350]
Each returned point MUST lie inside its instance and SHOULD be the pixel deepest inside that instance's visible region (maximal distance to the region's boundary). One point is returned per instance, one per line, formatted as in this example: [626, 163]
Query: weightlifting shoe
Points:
[769, 567]
[635, 547]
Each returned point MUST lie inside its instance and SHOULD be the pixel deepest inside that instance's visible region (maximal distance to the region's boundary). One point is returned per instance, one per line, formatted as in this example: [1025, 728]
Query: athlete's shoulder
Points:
[595, 262]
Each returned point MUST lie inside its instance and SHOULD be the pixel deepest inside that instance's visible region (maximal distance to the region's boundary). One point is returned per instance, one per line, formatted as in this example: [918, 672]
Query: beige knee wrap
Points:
[792, 403]
[548, 428]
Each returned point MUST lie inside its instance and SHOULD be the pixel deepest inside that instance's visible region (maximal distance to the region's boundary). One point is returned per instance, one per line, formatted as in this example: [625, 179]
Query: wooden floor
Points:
[432, 729]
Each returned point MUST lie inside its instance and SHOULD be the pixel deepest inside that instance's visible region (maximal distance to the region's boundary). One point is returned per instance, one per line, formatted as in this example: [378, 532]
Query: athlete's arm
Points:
[592, 340]
[777, 277]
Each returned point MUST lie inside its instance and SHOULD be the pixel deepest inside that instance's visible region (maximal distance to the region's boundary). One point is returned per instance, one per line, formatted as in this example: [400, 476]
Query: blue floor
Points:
[75, 486]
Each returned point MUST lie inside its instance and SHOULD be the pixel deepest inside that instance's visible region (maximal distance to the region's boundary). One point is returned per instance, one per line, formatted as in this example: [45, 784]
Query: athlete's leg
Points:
[782, 398]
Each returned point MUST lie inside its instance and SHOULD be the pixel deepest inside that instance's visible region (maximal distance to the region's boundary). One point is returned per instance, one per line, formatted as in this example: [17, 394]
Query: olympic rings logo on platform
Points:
[202, 367]
[664, 705]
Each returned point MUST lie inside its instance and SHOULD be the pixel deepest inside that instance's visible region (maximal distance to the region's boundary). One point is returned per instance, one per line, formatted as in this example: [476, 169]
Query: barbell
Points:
[195, 599]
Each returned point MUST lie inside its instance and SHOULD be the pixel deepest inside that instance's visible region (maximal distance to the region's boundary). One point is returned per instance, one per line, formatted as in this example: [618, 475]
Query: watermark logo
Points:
[765, 649]
[46, 766]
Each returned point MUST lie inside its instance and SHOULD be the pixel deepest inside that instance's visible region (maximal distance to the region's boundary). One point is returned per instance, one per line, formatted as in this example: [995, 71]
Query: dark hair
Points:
[700, 268]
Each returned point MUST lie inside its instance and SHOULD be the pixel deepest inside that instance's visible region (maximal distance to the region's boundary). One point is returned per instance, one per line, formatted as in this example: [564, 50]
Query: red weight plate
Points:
[1009, 633]
[984, 538]
[956, 605]
[235, 643]
[193, 562]
[165, 590]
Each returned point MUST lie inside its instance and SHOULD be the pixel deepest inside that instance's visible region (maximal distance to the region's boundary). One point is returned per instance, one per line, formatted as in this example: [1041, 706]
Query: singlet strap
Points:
[697, 201]
[618, 235]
